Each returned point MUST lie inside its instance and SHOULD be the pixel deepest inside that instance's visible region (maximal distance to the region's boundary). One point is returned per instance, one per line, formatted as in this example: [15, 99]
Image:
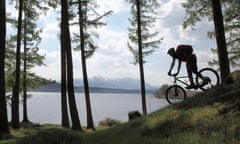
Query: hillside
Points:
[212, 117]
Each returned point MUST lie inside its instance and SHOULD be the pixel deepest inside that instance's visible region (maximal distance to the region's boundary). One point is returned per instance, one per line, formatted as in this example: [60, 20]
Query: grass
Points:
[25, 131]
[212, 117]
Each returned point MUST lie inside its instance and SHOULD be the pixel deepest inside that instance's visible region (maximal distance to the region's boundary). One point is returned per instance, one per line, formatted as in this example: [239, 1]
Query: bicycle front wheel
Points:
[207, 78]
[175, 94]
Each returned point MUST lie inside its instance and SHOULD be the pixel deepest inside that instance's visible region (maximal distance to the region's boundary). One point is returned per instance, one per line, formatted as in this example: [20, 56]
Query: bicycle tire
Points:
[212, 78]
[175, 94]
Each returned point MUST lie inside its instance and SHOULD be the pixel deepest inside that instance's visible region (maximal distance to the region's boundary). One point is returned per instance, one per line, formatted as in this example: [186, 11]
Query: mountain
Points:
[122, 83]
[102, 85]
[56, 87]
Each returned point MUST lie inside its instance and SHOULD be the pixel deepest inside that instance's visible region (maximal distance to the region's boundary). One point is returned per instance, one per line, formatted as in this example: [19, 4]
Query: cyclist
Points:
[184, 53]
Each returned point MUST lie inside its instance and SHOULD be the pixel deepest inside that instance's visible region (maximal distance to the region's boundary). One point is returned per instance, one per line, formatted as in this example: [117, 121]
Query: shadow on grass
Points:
[52, 136]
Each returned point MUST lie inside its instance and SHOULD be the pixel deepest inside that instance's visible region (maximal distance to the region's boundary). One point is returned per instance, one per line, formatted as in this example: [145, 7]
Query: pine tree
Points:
[87, 46]
[82, 27]
[140, 35]
[66, 45]
[15, 96]
[31, 40]
[30, 57]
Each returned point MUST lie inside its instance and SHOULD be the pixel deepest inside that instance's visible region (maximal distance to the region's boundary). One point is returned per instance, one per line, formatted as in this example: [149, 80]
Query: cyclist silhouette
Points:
[184, 53]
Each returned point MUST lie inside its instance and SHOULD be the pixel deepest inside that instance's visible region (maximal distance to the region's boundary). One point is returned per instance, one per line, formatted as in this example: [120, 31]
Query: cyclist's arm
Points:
[179, 67]
[171, 67]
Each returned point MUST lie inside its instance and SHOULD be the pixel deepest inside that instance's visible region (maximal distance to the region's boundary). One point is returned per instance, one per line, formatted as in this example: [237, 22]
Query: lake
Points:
[46, 107]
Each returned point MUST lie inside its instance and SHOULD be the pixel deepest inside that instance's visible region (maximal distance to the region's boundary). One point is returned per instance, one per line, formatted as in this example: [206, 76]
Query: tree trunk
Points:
[3, 108]
[15, 97]
[220, 39]
[65, 38]
[141, 68]
[90, 123]
[72, 102]
[25, 116]
[65, 118]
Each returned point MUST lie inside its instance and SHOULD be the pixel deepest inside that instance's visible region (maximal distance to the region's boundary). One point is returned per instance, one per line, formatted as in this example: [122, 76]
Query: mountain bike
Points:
[205, 79]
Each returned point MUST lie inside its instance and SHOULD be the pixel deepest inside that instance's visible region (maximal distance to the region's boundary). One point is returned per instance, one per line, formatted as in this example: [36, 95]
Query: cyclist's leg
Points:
[195, 69]
[189, 71]
[194, 64]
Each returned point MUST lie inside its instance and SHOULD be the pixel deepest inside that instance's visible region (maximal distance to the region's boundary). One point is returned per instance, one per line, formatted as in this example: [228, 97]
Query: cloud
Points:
[171, 16]
[110, 66]
[117, 6]
[204, 57]
[113, 42]
[52, 68]
[171, 13]
[113, 59]
[197, 34]
[10, 9]
[51, 30]
[170, 23]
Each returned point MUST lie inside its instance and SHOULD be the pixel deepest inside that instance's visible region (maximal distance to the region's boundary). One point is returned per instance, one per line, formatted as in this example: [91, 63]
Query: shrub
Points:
[109, 122]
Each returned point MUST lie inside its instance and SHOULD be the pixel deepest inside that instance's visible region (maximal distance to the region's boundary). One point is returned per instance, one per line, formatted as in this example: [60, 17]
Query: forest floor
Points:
[211, 117]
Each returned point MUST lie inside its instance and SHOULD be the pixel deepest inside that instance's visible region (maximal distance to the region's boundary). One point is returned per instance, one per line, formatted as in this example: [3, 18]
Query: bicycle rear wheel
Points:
[207, 78]
[175, 94]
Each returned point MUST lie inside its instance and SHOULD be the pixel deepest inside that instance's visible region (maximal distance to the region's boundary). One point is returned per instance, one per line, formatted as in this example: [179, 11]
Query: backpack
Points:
[183, 52]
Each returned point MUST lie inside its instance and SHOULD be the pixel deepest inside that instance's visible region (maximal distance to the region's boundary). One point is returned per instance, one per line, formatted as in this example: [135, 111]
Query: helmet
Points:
[170, 50]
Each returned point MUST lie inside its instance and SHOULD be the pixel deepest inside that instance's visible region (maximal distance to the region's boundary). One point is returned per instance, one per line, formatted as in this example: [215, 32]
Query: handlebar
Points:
[172, 75]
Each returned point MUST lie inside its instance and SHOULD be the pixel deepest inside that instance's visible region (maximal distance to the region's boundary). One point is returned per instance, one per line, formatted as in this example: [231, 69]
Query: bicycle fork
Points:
[175, 92]
[175, 88]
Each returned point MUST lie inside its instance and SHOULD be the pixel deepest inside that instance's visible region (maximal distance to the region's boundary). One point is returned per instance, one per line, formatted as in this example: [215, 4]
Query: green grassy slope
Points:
[212, 117]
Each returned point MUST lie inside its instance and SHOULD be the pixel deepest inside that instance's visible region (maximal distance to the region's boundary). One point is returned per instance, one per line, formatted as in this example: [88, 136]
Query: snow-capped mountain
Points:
[122, 83]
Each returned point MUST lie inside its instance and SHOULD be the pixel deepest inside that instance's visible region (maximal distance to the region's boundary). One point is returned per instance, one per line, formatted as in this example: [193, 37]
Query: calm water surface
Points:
[46, 107]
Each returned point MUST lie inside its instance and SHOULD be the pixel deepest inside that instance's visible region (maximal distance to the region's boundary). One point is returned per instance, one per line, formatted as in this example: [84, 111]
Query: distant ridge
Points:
[56, 87]
[120, 83]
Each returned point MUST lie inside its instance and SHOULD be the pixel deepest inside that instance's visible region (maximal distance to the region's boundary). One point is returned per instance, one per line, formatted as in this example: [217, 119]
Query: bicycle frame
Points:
[178, 79]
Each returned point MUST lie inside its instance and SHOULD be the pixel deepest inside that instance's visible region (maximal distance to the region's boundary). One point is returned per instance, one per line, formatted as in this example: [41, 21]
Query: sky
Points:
[112, 60]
